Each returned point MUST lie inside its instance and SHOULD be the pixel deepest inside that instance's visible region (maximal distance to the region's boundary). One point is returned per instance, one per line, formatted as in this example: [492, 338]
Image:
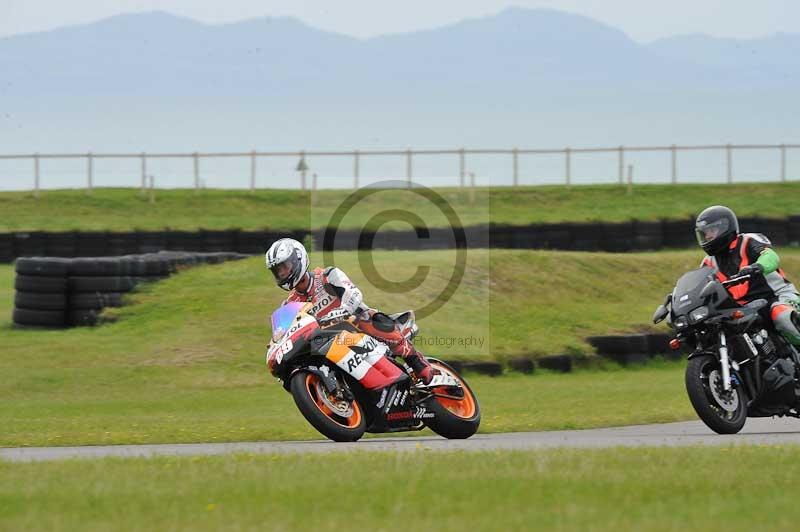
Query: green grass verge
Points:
[611, 489]
[184, 362]
[124, 209]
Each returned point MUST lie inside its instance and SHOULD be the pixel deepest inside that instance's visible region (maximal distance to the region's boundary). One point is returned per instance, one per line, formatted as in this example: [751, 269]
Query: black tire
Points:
[154, 265]
[562, 363]
[97, 300]
[446, 422]
[43, 266]
[101, 284]
[46, 318]
[38, 301]
[47, 285]
[82, 318]
[707, 407]
[523, 365]
[150, 279]
[493, 369]
[133, 266]
[658, 344]
[620, 345]
[95, 266]
[331, 426]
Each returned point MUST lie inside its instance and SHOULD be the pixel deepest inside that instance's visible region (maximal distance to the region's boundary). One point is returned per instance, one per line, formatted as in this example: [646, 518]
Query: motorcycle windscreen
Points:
[282, 319]
[687, 290]
[686, 296]
[365, 359]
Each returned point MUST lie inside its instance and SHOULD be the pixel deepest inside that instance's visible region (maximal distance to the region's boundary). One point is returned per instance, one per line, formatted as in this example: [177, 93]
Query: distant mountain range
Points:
[535, 78]
[517, 51]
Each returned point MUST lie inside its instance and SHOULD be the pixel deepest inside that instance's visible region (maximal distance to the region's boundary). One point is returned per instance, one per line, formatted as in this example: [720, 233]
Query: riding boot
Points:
[420, 366]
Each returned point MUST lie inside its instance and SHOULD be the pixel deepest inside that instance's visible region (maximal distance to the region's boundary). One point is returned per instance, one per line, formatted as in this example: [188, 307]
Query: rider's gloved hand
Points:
[334, 316]
[751, 270]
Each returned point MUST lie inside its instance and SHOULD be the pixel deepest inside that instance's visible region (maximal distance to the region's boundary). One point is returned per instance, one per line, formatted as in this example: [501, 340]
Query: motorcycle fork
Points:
[724, 361]
[333, 385]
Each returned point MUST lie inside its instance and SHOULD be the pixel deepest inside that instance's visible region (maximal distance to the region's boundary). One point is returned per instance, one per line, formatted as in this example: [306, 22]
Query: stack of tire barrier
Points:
[6, 247]
[58, 292]
[41, 292]
[632, 348]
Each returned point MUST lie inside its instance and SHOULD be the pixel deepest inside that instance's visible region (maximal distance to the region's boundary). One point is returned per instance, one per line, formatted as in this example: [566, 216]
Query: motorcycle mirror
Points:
[660, 314]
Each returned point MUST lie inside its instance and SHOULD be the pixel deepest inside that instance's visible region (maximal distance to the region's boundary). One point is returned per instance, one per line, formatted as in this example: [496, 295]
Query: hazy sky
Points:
[642, 20]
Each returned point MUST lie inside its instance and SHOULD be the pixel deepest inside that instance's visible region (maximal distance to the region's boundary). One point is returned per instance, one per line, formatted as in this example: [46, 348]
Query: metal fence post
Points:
[303, 169]
[621, 165]
[144, 173]
[356, 169]
[729, 158]
[567, 166]
[630, 179]
[515, 156]
[461, 164]
[89, 173]
[196, 161]
[409, 171]
[472, 188]
[313, 189]
[674, 153]
[253, 171]
[783, 163]
[36, 176]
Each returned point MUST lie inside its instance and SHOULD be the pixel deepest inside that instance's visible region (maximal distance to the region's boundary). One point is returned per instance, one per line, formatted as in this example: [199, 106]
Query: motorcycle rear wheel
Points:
[701, 376]
[454, 419]
[334, 418]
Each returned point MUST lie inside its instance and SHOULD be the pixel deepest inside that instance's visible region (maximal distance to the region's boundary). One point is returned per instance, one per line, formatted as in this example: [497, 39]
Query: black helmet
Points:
[716, 228]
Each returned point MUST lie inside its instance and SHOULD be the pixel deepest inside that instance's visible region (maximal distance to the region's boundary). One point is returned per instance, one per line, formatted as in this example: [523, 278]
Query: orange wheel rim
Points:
[312, 385]
[464, 407]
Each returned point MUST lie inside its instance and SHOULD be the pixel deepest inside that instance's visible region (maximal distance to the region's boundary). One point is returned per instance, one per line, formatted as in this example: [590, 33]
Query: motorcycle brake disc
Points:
[727, 400]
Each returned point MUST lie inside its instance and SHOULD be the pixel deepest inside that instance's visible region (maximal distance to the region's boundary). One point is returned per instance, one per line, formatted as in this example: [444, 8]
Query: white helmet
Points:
[291, 253]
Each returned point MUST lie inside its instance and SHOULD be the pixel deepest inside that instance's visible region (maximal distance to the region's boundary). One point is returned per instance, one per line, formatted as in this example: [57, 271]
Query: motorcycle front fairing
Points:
[296, 333]
[291, 331]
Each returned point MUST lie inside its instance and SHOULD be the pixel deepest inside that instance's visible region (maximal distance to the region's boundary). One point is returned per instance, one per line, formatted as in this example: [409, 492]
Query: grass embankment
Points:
[185, 361]
[125, 210]
[611, 489]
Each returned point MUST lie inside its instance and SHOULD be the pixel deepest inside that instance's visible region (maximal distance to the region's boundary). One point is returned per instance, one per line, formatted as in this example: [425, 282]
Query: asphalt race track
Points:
[756, 431]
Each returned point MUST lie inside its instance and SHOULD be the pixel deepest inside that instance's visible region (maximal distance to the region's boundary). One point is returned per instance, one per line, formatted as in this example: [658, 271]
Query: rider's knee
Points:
[788, 324]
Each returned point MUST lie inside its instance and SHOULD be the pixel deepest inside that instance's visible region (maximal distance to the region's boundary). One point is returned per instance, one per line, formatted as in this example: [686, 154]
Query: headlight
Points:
[681, 322]
[698, 314]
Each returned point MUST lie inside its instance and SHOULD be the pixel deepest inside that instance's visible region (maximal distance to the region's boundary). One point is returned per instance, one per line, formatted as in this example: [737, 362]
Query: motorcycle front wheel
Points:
[337, 419]
[724, 412]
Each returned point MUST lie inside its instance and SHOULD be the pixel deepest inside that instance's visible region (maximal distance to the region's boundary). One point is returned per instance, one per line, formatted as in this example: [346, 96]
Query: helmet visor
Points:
[282, 271]
[708, 232]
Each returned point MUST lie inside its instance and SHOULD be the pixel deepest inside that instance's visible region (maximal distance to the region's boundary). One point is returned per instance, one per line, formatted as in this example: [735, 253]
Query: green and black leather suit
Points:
[752, 253]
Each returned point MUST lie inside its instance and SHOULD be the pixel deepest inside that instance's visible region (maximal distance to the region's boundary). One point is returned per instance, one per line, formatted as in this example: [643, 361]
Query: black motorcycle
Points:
[739, 365]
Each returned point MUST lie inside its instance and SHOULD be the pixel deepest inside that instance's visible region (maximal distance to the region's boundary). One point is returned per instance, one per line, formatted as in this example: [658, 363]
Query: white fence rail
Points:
[460, 155]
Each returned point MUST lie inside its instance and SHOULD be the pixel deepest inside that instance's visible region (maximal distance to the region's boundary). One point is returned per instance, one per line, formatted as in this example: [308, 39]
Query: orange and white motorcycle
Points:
[346, 383]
